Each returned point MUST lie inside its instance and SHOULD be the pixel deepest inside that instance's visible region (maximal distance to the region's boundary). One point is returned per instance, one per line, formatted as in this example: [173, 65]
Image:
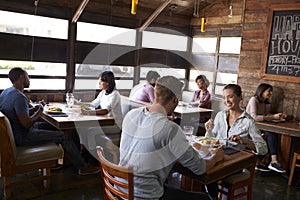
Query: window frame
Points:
[219, 33]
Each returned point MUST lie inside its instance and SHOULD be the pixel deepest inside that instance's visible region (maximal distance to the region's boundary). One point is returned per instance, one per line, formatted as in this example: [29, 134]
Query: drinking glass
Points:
[188, 131]
[69, 99]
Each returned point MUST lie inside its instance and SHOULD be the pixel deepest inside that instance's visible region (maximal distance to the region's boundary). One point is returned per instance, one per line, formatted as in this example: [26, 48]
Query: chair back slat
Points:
[7, 145]
[112, 180]
[110, 172]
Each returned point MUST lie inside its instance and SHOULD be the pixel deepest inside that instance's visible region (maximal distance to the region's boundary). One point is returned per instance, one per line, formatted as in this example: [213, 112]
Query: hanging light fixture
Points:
[230, 9]
[196, 8]
[203, 20]
[134, 4]
[36, 3]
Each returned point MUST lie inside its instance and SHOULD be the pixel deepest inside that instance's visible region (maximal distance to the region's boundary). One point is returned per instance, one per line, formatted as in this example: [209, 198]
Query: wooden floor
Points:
[67, 185]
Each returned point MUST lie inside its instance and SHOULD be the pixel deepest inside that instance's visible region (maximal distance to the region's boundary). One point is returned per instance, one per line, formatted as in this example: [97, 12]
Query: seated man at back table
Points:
[26, 128]
[145, 92]
[152, 144]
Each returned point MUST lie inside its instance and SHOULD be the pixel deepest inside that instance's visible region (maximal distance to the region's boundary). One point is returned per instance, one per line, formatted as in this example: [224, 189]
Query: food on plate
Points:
[85, 107]
[54, 109]
[197, 146]
[209, 141]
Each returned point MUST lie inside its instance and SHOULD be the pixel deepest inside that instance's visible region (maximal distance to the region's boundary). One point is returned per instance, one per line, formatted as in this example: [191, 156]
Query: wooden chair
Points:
[110, 172]
[21, 159]
[294, 164]
[237, 181]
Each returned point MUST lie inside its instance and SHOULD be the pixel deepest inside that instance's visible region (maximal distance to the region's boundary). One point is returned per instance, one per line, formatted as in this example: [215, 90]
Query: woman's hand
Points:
[86, 112]
[236, 138]
[171, 117]
[277, 116]
[209, 125]
[280, 116]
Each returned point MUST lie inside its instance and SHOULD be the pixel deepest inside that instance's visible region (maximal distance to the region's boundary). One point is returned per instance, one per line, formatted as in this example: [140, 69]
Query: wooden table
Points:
[287, 130]
[79, 121]
[231, 164]
[76, 121]
[190, 110]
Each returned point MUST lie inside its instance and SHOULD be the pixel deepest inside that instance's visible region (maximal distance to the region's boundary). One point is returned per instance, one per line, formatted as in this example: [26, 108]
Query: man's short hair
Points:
[152, 75]
[15, 73]
[166, 88]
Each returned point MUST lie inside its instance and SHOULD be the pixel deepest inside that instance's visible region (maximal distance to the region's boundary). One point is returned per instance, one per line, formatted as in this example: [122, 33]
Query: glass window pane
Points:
[164, 41]
[226, 78]
[219, 90]
[203, 61]
[85, 84]
[204, 45]
[34, 68]
[230, 45]
[124, 84]
[193, 75]
[47, 84]
[228, 63]
[5, 83]
[178, 73]
[95, 70]
[105, 34]
[25, 24]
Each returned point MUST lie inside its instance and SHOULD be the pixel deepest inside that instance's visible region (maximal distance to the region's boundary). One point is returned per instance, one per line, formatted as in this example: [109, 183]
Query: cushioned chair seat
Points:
[37, 153]
[21, 159]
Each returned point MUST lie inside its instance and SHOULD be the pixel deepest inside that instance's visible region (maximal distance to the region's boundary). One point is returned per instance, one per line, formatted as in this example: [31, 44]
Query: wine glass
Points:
[69, 99]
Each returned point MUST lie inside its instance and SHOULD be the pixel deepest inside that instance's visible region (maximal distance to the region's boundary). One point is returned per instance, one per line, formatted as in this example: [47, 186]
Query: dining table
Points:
[231, 164]
[70, 118]
[289, 131]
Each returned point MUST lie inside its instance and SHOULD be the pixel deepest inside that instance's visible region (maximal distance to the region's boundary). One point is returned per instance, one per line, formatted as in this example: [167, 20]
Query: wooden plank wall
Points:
[253, 34]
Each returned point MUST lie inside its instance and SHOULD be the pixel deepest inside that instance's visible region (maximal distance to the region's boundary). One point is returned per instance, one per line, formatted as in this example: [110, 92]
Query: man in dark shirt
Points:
[26, 129]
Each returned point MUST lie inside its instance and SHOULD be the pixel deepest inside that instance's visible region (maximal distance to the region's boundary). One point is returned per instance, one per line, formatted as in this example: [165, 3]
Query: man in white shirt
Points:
[152, 144]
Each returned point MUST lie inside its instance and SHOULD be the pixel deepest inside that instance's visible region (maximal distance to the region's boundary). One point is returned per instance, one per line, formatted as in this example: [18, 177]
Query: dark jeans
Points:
[42, 132]
[174, 193]
[272, 141]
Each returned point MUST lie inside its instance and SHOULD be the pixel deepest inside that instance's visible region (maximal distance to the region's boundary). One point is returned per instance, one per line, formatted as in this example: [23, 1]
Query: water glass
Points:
[70, 99]
[188, 131]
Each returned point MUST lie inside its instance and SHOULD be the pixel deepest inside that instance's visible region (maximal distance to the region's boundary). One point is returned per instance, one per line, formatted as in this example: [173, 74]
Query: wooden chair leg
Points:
[249, 193]
[46, 174]
[7, 189]
[61, 160]
[230, 194]
[292, 168]
[220, 195]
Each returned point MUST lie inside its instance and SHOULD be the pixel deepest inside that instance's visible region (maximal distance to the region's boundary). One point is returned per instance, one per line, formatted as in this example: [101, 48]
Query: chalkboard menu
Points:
[281, 59]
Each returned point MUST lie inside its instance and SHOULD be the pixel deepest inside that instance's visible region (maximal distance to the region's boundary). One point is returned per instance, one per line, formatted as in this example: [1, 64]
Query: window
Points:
[217, 58]
[163, 71]
[164, 41]
[193, 75]
[204, 45]
[230, 45]
[25, 24]
[87, 76]
[35, 69]
[105, 34]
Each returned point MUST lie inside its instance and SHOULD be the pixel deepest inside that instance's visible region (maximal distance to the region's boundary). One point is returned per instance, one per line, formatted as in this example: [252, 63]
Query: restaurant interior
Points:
[65, 44]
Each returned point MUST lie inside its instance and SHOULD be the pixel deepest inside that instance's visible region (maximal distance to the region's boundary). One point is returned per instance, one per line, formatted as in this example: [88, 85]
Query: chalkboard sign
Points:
[281, 53]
